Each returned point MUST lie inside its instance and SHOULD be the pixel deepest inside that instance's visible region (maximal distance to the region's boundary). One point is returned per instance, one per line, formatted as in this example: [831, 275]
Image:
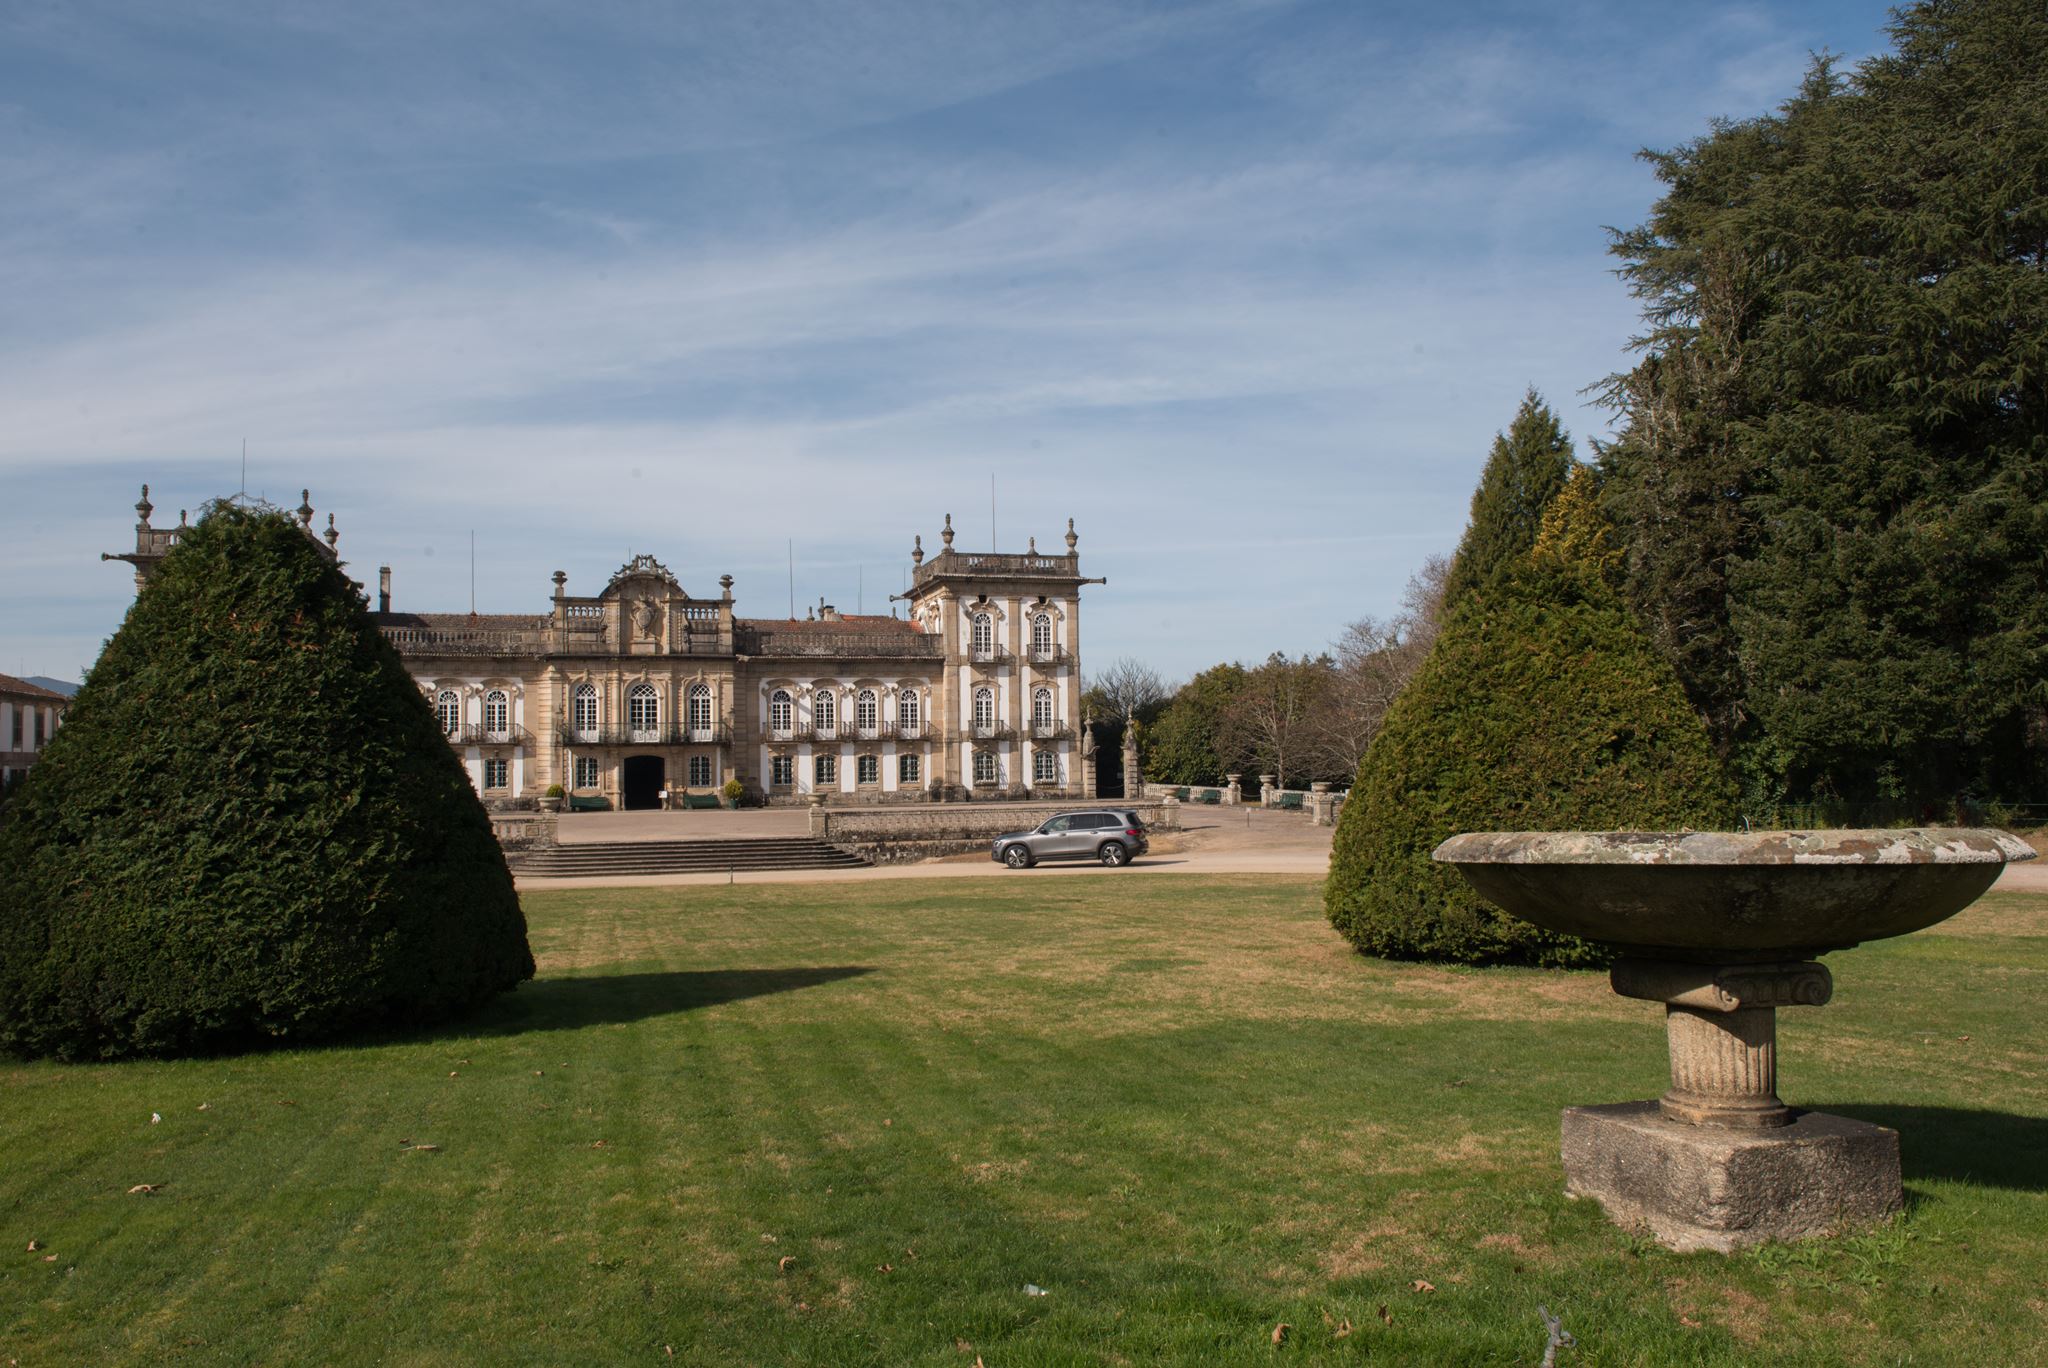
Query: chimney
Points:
[383, 588]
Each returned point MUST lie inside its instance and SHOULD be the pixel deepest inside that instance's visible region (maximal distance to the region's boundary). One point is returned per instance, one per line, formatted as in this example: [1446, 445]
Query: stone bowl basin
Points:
[1733, 897]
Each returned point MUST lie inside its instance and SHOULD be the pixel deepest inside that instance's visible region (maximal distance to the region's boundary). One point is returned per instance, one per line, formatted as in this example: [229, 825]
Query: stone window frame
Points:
[981, 634]
[983, 720]
[694, 765]
[784, 702]
[867, 769]
[1043, 643]
[498, 702]
[693, 695]
[581, 693]
[1045, 766]
[909, 769]
[825, 709]
[585, 765]
[867, 711]
[636, 695]
[448, 711]
[824, 770]
[497, 773]
[1048, 715]
[781, 770]
[909, 709]
[986, 769]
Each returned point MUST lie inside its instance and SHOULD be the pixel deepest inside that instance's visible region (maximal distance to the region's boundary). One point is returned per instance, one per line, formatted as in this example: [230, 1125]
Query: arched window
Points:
[824, 712]
[984, 708]
[700, 708]
[497, 713]
[983, 638]
[448, 711]
[908, 714]
[643, 712]
[583, 705]
[1041, 635]
[985, 767]
[867, 711]
[1041, 709]
[1045, 767]
[781, 712]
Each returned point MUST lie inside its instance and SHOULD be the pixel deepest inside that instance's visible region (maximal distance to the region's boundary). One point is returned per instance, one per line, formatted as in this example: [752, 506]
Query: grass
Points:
[847, 1124]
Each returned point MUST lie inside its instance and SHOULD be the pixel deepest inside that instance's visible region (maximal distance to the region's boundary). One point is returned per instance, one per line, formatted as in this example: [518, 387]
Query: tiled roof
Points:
[21, 688]
[848, 624]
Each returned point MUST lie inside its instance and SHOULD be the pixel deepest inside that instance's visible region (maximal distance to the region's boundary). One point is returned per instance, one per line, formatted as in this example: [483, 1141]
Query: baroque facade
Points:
[29, 714]
[644, 692]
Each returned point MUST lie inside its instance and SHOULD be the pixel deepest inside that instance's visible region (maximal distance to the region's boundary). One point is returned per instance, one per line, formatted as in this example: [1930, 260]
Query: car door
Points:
[1088, 832]
[1053, 840]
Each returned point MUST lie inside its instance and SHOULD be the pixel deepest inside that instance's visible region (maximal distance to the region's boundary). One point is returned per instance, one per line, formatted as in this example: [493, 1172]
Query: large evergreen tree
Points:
[1832, 475]
[1184, 746]
[1524, 472]
[1543, 706]
[249, 828]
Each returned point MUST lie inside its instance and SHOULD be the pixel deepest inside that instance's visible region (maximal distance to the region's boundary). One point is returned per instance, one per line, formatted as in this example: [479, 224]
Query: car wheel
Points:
[1114, 854]
[1017, 857]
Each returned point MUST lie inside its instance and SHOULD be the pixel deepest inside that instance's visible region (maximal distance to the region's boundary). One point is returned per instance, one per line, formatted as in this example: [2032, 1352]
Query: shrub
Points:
[249, 828]
[1542, 707]
[554, 791]
[733, 790]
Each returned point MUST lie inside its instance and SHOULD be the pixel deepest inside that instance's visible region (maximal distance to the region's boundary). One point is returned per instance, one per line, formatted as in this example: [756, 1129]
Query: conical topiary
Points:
[1542, 707]
[1525, 470]
[249, 827]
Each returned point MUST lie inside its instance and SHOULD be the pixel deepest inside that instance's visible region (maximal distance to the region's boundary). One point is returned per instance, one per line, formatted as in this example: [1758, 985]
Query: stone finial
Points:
[1072, 540]
[330, 534]
[946, 533]
[144, 508]
[917, 549]
[305, 508]
[561, 579]
[1034, 545]
[725, 584]
[181, 519]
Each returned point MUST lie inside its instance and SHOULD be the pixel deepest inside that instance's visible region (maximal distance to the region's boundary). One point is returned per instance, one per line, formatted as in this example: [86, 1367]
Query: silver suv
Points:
[1113, 836]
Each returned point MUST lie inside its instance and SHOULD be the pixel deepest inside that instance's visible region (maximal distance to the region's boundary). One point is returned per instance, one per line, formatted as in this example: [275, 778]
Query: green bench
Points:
[1180, 795]
[589, 803]
[1210, 796]
[1290, 802]
[694, 802]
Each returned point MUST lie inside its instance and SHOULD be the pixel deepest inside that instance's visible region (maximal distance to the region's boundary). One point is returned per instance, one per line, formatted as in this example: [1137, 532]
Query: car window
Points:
[1096, 821]
[1056, 824]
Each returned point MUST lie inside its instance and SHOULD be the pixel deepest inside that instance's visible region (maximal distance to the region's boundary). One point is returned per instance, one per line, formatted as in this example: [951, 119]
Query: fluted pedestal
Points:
[1719, 1161]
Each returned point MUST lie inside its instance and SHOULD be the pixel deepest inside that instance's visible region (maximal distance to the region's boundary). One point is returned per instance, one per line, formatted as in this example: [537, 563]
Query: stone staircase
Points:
[614, 859]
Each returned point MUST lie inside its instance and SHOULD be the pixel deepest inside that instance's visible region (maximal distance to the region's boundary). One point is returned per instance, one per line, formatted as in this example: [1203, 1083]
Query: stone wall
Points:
[900, 835]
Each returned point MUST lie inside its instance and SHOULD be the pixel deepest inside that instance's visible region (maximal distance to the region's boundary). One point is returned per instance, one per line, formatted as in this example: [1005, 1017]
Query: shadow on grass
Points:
[1993, 1149]
[567, 1004]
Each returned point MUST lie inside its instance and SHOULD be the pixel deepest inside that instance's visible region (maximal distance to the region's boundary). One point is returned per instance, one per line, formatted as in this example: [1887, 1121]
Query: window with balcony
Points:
[825, 712]
[586, 772]
[825, 770]
[908, 712]
[643, 712]
[583, 711]
[497, 713]
[448, 712]
[700, 771]
[908, 768]
[982, 638]
[1041, 710]
[699, 709]
[867, 769]
[1041, 635]
[867, 711]
[985, 767]
[781, 712]
[1045, 767]
[984, 709]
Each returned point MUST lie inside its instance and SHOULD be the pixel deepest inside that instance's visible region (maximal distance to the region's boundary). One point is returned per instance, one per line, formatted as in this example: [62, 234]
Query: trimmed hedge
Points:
[249, 828]
[1542, 707]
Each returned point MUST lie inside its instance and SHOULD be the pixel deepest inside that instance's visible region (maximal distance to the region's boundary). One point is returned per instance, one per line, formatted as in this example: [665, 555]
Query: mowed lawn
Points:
[849, 1123]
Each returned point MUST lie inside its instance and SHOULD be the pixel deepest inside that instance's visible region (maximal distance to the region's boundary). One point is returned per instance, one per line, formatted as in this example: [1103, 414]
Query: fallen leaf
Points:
[909, 1251]
[978, 1363]
[1422, 1285]
[1280, 1332]
[1343, 1329]
[34, 1245]
[782, 1264]
[597, 1144]
[536, 1073]
[1385, 1317]
[451, 1073]
[1962, 1037]
[49, 1258]
[424, 1149]
[668, 1349]
[1033, 1290]
[1688, 1322]
[885, 1268]
[155, 1117]
[767, 1239]
[463, 1062]
[886, 1122]
[962, 1345]
[204, 1105]
[803, 1306]
[286, 1102]
[146, 1189]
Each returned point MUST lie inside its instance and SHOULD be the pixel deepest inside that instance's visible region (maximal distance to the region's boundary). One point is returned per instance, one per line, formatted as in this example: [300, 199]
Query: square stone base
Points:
[1704, 1187]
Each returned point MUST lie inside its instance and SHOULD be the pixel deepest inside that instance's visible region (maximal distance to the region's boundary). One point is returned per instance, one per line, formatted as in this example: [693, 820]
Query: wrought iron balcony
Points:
[992, 655]
[1051, 731]
[476, 734]
[719, 734]
[991, 731]
[1047, 655]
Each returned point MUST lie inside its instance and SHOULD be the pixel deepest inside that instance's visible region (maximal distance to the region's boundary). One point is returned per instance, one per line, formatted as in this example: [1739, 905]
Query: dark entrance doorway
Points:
[640, 782]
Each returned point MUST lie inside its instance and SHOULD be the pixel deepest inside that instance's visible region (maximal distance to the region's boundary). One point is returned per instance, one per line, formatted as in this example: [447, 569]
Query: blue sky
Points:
[1243, 287]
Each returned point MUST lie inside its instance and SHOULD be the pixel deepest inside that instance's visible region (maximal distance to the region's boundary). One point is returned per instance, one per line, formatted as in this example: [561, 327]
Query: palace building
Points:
[645, 689]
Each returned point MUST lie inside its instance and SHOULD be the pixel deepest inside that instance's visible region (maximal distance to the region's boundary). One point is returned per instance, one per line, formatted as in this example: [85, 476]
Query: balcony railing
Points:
[991, 655]
[991, 731]
[843, 645]
[476, 734]
[717, 735]
[1051, 731]
[1046, 655]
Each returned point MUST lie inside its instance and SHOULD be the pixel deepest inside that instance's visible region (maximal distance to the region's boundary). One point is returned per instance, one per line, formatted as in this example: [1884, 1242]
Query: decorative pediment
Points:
[644, 568]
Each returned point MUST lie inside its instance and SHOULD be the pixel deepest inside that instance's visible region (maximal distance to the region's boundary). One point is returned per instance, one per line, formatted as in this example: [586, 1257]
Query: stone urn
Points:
[1724, 928]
